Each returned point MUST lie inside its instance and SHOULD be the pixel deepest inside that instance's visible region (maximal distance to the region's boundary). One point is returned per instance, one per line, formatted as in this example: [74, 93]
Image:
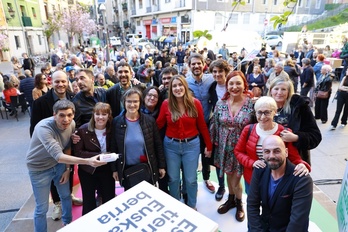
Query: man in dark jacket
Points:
[307, 77]
[115, 93]
[285, 199]
[28, 63]
[26, 87]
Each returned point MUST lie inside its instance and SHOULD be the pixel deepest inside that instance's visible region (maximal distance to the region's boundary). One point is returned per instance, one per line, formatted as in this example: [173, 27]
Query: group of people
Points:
[164, 127]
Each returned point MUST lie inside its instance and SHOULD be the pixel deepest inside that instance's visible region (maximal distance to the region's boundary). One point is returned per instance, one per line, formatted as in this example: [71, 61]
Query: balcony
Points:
[26, 21]
[148, 9]
[124, 6]
[134, 12]
[125, 23]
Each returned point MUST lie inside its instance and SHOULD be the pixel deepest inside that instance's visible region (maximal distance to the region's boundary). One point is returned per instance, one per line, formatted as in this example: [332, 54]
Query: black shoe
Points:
[229, 204]
[184, 196]
[220, 193]
[323, 122]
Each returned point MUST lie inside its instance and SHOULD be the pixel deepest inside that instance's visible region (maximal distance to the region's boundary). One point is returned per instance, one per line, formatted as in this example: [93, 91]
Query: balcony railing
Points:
[148, 9]
[26, 21]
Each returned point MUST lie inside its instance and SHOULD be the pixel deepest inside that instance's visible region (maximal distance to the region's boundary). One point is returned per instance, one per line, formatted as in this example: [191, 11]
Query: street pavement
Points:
[328, 160]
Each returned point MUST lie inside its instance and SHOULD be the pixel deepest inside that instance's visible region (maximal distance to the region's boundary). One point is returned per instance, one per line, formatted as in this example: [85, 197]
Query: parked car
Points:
[143, 45]
[274, 40]
[115, 41]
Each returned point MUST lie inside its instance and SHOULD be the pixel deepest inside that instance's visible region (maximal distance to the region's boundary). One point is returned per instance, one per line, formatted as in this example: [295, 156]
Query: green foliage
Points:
[198, 34]
[331, 6]
[283, 18]
[328, 22]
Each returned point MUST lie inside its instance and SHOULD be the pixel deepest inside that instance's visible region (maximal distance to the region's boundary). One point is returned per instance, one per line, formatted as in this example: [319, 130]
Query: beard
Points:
[276, 163]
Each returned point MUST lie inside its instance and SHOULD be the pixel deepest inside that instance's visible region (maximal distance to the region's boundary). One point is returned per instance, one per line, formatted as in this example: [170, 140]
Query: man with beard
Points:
[115, 93]
[43, 108]
[285, 199]
[166, 75]
[88, 96]
[199, 83]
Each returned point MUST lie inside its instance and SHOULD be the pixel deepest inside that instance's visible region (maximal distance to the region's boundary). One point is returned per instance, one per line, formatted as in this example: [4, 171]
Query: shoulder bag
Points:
[136, 174]
[322, 94]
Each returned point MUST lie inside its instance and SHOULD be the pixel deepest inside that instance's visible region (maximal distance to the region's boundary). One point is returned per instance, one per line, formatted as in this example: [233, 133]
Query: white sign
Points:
[342, 204]
[143, 208]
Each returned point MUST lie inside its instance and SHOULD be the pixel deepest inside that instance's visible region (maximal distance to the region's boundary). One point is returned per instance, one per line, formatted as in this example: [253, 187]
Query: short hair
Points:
[63, 105]
[289, 62]
[321, 57]
[280, 64]
[270, 61]
[169, 70]
[197, 56]
[125, 64]
[87, 71]
[27, 73]
[306, 61]
[265, 101]
[104, 108]
[327, 67]
[221, 64]
[8, 85]
[132, 91]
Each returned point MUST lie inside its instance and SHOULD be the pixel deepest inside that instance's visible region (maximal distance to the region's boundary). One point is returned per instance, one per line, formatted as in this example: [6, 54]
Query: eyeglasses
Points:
[150, 95]
[130, 102]
[266, 113]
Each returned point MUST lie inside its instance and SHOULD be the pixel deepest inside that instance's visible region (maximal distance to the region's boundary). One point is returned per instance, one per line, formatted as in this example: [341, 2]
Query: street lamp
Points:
[102, 8]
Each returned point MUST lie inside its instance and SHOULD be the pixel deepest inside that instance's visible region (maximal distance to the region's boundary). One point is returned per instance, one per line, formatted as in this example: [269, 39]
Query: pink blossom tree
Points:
[3, 41]
[75, 21]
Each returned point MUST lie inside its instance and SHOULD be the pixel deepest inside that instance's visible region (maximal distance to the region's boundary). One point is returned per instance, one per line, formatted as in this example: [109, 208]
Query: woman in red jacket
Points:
[249, 147]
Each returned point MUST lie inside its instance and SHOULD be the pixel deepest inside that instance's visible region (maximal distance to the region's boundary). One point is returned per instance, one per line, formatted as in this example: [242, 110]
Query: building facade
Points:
[179, 18]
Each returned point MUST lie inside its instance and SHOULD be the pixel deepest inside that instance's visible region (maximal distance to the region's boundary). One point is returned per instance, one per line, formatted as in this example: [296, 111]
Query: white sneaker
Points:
[343, 125]
[332, 128]
[57, 211]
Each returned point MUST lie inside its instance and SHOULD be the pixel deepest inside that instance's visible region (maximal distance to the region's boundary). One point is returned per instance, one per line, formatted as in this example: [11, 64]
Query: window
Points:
[308, 3]
[23, 10]
[264, 2]
[262, 18]
[248, 1]
[218, 19]
[39, 38]
[18, 43]
[275, 2]
[317, 4]
[246, 18]
[167, 1]
[33, 12]
[234, 19]
[140, 4]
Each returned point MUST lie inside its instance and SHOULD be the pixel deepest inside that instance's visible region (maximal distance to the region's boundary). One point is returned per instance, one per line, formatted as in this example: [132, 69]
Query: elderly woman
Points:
[232, 113]
[324, 84]
[293, 112]
[256, 79]
[249, 147]
[135, 135]
[95, 139]
[342, 101]
[152, 101]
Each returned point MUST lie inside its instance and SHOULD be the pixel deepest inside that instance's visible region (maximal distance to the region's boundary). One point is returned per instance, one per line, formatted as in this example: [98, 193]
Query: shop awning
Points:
[162, 38]
[171, 39]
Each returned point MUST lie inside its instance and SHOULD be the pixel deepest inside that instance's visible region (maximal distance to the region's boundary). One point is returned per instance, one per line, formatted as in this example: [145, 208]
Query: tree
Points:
[278, 19]
[75, 21]
[198, 34]
[3, 42]
[51, 26]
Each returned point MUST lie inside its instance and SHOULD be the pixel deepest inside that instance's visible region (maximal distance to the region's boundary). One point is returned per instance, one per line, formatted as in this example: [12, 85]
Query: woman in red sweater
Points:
[9, 91]
[249, 147]
[183, 116]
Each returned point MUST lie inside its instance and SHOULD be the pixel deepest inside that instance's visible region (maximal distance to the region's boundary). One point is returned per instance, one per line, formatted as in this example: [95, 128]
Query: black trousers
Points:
[342, 101]
[205, 161]
[102, 180]
[320, 109]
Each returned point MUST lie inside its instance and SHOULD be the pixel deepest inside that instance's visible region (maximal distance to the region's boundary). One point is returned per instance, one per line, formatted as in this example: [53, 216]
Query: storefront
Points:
[185, 28]
[169, 26]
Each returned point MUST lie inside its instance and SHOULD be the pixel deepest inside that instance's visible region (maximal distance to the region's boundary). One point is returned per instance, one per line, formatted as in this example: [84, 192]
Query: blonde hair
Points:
[173, 104]
[288, 82]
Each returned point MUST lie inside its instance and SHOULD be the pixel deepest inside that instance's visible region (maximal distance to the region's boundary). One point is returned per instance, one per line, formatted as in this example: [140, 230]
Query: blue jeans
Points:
[185, 154]
[40, 182]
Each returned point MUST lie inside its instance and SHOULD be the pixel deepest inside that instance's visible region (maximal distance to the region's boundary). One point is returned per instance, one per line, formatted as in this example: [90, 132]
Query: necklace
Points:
[279, 111]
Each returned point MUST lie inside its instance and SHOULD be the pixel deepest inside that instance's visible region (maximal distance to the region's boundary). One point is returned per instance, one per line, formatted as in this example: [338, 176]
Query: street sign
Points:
[265, 22]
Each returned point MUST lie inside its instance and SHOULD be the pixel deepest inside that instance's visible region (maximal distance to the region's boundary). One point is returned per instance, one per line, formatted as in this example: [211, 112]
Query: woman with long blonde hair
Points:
[183, 117]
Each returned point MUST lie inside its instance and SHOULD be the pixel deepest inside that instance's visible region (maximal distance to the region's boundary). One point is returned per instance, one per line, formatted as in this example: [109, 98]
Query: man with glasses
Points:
[166, 75]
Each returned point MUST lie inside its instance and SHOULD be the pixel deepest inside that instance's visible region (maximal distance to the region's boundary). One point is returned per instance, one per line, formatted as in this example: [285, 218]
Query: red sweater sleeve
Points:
[202, 126]
[161, 119]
